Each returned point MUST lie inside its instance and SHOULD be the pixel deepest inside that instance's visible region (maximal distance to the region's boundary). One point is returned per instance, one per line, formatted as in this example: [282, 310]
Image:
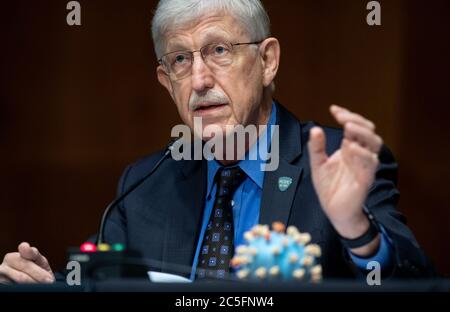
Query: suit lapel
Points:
[276, 204]
[277, 201]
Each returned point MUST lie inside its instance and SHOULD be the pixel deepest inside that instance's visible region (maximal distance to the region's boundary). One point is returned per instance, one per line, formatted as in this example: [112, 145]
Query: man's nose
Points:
[202, 77]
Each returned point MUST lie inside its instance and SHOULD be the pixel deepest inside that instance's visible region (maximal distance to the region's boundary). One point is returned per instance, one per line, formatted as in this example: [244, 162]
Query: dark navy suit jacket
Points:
[162, 218]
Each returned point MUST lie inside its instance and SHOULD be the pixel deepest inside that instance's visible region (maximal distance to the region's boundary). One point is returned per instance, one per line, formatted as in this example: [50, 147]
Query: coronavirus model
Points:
[279, 254]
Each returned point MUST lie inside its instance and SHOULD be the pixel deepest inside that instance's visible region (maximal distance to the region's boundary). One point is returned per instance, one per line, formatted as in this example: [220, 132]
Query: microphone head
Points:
[171, 143]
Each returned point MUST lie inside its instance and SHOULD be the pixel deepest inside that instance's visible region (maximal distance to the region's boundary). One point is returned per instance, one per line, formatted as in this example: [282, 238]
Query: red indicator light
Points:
[88, 247]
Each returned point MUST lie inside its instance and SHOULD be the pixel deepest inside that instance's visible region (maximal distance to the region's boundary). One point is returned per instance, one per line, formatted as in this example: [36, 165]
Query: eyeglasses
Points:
[178, 64]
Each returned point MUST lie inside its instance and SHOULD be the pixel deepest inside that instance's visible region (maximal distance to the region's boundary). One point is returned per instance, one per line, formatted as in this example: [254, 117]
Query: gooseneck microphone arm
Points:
[116, 201]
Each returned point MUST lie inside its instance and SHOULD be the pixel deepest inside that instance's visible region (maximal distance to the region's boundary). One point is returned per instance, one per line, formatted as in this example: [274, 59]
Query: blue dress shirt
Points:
[247, 200]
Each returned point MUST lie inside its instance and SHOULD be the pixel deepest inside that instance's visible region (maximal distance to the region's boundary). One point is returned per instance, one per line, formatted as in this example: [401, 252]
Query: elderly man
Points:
[218, 62]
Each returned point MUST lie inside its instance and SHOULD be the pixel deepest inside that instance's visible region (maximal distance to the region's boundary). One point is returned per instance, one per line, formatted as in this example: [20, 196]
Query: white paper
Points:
[158, 277]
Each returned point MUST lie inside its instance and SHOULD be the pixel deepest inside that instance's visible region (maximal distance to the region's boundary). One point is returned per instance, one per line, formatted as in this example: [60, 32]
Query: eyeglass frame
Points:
[191, 52]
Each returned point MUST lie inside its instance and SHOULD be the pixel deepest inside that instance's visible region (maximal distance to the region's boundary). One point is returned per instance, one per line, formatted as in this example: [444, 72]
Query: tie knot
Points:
[229, 180]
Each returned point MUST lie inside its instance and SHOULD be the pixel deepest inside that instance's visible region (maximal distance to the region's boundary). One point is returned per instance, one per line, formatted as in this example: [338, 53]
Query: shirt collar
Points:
[251, 167]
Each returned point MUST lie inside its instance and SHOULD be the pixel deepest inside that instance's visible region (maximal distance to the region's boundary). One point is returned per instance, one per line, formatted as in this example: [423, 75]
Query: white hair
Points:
[174, 14]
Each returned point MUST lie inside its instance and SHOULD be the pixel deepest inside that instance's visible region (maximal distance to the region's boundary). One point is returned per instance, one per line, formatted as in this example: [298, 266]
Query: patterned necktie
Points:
[217, 247]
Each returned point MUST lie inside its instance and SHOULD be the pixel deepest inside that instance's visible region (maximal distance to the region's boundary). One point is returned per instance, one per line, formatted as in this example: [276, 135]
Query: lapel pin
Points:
[284, 183]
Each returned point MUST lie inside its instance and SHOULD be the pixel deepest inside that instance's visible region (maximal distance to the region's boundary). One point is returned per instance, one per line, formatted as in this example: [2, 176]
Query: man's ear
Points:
[270, 53]
[164, 79]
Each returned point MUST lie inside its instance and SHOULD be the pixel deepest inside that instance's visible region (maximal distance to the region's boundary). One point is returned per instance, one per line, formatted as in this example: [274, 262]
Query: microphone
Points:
[98, 264]
[116, 201]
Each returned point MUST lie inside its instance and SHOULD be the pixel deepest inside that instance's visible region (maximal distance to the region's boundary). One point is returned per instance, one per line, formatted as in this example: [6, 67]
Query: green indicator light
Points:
[118, 247]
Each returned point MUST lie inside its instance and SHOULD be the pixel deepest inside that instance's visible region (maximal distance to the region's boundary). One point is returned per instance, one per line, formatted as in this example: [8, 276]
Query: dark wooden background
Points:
[79, 103]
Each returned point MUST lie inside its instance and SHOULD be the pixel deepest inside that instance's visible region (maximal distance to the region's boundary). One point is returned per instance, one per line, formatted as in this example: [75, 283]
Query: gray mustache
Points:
[213, 96]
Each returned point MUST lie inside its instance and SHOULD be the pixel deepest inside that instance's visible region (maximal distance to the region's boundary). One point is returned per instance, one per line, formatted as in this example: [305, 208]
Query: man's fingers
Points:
[42, 261]
[355, 153]
[27, 252]
[32, 253]
[11, 274]
[39, 274]
[344, 116]
[364, 136]
[316, 144]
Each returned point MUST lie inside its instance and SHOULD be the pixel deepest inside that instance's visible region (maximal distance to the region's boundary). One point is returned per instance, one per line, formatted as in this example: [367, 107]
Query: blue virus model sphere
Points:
[276, 255]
